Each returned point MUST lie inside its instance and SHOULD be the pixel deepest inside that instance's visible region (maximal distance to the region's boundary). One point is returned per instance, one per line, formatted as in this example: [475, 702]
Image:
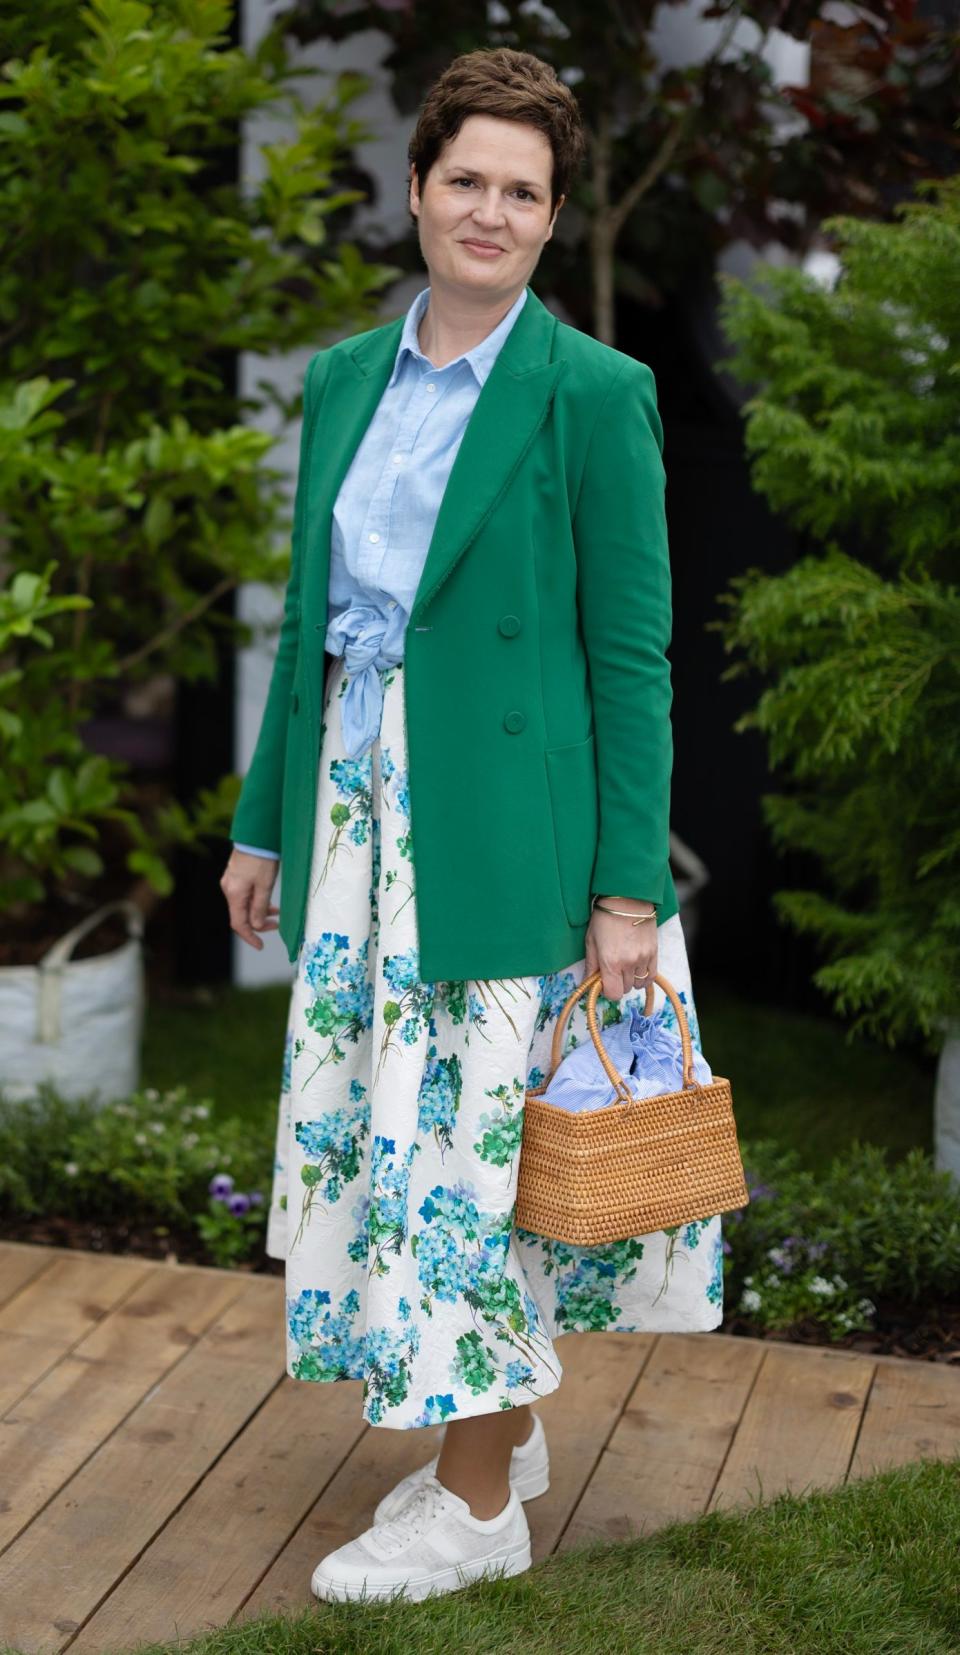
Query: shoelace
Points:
[427, 1501]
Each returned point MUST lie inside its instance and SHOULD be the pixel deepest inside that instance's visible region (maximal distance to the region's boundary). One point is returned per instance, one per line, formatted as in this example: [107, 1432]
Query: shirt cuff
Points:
[254, 850]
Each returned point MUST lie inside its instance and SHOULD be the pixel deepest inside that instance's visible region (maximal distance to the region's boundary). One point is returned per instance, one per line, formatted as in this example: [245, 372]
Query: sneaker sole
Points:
[508, 1560]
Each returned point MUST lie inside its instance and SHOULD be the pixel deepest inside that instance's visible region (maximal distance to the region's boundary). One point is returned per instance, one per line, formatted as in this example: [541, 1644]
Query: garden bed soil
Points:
[928, 1333]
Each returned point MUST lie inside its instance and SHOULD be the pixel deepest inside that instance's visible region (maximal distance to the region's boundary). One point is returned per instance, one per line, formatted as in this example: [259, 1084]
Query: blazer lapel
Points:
[511, 406]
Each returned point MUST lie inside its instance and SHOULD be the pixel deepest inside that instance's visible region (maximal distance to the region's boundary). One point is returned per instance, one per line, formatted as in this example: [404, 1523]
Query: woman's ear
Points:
[560, 200]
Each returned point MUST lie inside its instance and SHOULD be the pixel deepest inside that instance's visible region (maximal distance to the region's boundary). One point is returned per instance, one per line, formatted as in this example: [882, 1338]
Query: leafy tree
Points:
[681, 160]
[134, 488]
[854, 430]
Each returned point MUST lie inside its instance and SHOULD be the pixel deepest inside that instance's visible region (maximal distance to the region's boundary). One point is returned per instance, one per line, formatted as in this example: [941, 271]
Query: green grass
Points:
[795, 1077]
[866, 1569]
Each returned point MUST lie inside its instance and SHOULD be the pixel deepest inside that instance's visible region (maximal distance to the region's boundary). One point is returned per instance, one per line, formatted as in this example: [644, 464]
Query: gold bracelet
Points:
[625, 913]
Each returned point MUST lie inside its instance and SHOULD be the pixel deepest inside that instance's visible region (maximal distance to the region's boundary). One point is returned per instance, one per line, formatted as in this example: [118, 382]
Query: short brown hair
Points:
[516, 86]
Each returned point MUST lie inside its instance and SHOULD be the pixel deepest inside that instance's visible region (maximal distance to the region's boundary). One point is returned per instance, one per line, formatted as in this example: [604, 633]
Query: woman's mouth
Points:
[483, 249]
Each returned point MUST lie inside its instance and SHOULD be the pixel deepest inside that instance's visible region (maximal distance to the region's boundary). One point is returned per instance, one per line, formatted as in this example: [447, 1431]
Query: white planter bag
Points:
[75, 1023]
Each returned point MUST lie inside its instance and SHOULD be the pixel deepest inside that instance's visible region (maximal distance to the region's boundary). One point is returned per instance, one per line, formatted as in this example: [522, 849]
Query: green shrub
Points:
[854, 432]
[135, 488]
[162, 1157]
[828, 1246]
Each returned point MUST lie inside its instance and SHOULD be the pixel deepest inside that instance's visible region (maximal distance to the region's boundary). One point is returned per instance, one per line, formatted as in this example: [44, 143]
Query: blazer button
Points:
[508, 625]
[295, 702]
[514, 722]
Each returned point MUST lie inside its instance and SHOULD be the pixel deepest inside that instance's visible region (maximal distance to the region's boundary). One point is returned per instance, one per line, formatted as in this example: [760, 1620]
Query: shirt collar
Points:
[481, 357]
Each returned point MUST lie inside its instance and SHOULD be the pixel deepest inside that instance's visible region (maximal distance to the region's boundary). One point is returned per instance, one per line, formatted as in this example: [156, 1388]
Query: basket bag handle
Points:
[591, 986]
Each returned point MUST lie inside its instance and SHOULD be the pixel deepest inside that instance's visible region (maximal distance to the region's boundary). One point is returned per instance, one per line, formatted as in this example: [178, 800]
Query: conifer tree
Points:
[853, 427]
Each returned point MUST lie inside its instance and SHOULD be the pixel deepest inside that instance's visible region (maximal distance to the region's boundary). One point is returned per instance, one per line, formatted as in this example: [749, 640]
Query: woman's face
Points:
[490, 184]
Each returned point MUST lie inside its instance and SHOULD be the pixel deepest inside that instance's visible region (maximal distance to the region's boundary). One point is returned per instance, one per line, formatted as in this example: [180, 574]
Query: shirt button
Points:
[508, 626]
[397, 458]
[391, 603]
[514, 722]
[431, 387]
[374, 537]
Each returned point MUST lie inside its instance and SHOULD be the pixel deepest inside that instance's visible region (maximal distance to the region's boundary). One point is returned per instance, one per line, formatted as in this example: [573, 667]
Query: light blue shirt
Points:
[385, 511]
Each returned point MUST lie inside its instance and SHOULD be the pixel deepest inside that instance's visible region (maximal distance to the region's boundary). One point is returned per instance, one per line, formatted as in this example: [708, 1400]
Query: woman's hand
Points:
[247, 883]
[625, 954]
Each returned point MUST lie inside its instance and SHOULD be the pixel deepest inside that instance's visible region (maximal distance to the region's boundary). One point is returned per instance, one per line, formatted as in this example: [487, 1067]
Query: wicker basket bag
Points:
[633, 1167]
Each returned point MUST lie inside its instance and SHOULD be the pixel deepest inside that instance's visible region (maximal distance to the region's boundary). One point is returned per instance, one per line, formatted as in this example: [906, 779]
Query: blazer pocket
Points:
[572, 779]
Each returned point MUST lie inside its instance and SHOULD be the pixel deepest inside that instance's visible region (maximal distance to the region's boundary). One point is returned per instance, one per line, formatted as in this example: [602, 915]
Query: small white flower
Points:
[71, 1169]
[866, 1307]
[201, 1111]
[750, 1299]
[157, 1126]
[825, 1289]
[748, 1281]
[122, 1109]
[189, 1139]
[151, 1094]
[839, 1283]
[139, 1137]
[775, 1254]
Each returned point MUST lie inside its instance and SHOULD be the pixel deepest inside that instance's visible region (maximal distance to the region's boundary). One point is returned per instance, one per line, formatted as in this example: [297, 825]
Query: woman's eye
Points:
[520, 189]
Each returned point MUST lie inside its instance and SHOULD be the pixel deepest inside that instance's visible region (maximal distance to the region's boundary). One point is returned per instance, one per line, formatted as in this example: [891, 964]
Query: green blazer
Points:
[537, 685]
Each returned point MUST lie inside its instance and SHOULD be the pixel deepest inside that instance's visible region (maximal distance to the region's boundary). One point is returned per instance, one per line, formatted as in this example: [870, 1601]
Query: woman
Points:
[471, 804]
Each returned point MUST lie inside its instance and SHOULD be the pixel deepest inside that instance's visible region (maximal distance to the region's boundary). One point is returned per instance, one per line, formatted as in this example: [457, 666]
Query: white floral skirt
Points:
[398, 1140]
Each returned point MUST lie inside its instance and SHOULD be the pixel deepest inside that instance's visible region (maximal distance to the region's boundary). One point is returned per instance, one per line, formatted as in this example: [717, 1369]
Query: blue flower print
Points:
[286, 1075]
[359, 1244]
[557, 987]
[343, 1004]
[715, 1284]
[389, 1182]
[326, 1344]
[436, 1409]
[396, 796]
[439, 1097]
[409, 1010]
[587, 1279]
[387, 1361]
[518, 1373]
[353, 779]
[332, 1148]
[464, 1253]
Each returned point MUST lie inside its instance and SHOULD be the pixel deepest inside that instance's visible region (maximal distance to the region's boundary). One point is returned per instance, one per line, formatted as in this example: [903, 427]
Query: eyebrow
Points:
[471, 172]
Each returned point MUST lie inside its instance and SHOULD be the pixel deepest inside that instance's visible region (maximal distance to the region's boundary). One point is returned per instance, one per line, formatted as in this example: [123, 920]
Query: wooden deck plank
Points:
[664, 1457]
[58, 1571]
[912, 1413]
[252, 1500]
[74, 1408]
[19, 1264]
[799, 1428]
[599, 1372]
[55, 1309]
[379, 1459]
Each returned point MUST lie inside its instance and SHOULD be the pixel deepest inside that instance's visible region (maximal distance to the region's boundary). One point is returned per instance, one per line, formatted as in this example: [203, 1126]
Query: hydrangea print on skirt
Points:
[398, 1139]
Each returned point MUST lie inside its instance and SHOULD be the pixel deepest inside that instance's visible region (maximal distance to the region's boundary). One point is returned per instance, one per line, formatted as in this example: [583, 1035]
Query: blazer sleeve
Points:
[256, 819]
[625, 604]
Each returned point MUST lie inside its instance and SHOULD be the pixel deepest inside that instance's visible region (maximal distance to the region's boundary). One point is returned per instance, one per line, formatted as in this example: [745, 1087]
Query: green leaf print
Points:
[474, 1363]
[502, 1130]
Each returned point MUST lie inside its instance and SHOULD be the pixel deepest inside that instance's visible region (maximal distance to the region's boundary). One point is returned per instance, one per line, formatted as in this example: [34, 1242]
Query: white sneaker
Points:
[434, 1545]
[529, 1474]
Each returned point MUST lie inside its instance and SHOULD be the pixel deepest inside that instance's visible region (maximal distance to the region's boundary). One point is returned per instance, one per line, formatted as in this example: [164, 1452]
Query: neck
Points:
[454, 322]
